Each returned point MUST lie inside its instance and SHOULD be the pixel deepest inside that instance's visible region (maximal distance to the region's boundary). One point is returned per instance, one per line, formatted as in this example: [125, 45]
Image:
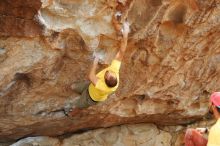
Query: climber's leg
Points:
[85, 100]
[80, 86]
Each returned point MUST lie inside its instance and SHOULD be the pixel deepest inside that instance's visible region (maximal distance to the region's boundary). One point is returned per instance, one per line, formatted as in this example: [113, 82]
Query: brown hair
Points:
[112, 82]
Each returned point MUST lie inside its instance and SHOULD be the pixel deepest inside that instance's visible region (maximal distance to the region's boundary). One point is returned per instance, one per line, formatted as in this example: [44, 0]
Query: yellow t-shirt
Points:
[214, 135]
[101, 91]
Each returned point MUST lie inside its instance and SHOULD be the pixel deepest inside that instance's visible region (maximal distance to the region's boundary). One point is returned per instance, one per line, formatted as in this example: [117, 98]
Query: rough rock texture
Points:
[129, 135]
[170, 68]
[17, 18]
[39, 141]
[125, 135]
[139, 135]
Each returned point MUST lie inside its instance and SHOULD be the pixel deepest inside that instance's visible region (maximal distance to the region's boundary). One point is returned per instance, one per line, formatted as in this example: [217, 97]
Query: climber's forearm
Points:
[92, 74]
[123, 46]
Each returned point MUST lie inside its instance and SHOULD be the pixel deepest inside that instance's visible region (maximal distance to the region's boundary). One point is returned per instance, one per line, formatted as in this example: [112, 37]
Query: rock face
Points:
[170, 68]
[41, 141]
[125, 135]
[17, 18]
[129, 135]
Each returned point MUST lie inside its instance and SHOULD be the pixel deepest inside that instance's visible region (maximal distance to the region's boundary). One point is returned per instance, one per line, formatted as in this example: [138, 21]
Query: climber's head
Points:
[215, 104]
[110, 78]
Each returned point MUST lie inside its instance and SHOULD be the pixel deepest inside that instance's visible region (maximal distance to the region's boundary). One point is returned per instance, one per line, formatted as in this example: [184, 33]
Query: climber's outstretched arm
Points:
[92, 74]
[123, 44]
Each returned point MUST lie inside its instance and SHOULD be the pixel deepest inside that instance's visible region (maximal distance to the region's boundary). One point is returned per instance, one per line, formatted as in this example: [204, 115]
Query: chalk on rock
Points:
[100, 55]
[126, 27]
[2, 51]
[37, 141]
[118, 14]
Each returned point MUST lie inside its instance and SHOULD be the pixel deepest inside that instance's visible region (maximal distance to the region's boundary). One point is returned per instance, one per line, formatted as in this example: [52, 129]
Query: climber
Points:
[194, 137]
[101, 85]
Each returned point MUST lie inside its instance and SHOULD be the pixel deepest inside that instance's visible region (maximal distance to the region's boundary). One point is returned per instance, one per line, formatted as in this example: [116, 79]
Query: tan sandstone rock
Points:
[170, 68]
